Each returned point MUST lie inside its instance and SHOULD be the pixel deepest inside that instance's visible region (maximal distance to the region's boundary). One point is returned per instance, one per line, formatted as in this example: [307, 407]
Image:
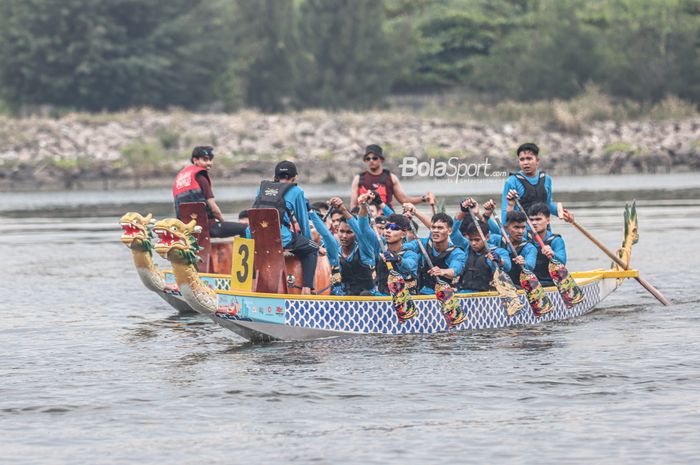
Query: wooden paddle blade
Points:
[449, 303]
[507, 292]
[570, 293]
[404, 306]
[538, 299]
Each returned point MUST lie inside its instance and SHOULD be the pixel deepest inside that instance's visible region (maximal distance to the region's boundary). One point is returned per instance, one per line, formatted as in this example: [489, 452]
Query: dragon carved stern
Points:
[176, 243]
[631, 235]
[138, 235]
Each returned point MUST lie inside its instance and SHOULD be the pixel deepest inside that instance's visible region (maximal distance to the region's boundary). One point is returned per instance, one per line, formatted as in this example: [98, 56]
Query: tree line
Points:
[277, 55]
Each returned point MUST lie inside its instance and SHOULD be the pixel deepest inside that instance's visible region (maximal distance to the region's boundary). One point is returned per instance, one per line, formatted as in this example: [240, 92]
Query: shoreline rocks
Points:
[145, 147]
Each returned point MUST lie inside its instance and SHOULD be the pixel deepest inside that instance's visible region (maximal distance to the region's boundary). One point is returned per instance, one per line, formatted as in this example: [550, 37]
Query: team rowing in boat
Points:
[364, 268]
[374, 250]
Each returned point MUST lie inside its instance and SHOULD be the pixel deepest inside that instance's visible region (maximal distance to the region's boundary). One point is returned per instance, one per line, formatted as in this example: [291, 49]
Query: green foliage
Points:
[277, 55]
[345, 60]
[96, 55]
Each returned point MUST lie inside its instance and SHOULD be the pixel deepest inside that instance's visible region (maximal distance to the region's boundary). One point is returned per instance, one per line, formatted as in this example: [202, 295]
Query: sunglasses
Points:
[393, 227]
[371, 158]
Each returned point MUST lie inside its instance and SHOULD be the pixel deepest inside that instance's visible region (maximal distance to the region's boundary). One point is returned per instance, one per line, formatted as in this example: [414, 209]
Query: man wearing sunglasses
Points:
[381, 180]
[403, 260]
[192, 184]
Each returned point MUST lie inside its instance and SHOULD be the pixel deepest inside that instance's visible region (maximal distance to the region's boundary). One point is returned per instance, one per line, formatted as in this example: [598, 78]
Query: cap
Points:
[285, 170]
[203, 151]
[375, 149]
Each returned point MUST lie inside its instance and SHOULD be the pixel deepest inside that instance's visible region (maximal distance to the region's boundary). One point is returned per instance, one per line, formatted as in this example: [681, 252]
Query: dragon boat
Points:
[257, 298]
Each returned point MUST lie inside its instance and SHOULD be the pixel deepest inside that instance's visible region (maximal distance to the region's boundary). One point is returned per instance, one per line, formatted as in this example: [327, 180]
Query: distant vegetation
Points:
[616, 58]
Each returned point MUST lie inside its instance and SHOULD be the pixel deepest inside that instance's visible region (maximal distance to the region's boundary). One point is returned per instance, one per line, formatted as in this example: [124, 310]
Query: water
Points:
[96, 369]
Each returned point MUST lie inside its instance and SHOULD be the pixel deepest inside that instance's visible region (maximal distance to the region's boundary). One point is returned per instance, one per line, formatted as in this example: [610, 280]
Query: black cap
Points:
[528, 147]
[285, 170]
[375, 149]
[203, 151]
[380, 220]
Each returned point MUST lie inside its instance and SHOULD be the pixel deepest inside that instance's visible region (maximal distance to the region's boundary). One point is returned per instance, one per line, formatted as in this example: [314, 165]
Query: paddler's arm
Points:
[455, 264]
[456, 236]
[367, 255]
[301, 212]
[354, 188]
[505, 258]
[329, 241]
[401, 195]
[215, 210]
[529, 254]
[409, 262]
[548, 188]
[559, 248]
[366, 230]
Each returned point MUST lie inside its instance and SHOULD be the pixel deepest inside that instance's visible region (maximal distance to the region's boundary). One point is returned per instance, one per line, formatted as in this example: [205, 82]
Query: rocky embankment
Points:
[145, 147]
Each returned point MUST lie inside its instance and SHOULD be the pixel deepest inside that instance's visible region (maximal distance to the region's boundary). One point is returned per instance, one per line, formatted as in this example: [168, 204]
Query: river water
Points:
[96, 369]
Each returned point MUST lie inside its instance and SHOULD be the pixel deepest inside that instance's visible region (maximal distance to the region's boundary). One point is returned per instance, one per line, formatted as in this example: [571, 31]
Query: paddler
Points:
[482, 260]
[356, 256]
[554, 245]
[463, 219]
[530, 184]
[192, 184]
[516, 226]
[381, 180]
[403, 260]
[284, 195]
[447, 259]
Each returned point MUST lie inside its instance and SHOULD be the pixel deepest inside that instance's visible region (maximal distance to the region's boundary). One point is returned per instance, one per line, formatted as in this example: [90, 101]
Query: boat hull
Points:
[266, 317]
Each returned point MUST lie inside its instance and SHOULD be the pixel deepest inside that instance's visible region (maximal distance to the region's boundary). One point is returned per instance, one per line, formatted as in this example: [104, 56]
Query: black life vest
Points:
[477, 275]
[355, 275]
[424, 279]
[383, 277]
[271, 195]
[533, 194]
[515, 269]
[542, 266]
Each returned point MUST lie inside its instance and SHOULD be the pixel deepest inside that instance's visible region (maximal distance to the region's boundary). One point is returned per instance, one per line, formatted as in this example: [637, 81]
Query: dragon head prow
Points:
[174, 235]
[136, 231]
[631, 235]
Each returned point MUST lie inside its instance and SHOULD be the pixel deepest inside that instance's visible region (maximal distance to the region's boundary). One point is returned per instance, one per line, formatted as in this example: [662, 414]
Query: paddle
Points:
[501, 280]
[645, 284]
[449, 303]
[401, 298]
[570, 293]
[539, 301]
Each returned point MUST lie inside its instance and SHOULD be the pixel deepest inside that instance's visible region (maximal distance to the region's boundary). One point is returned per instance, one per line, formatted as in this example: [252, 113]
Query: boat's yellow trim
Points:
[581, 277]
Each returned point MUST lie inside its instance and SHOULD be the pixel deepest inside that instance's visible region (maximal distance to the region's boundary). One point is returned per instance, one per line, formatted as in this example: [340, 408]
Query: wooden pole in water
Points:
[645, 284]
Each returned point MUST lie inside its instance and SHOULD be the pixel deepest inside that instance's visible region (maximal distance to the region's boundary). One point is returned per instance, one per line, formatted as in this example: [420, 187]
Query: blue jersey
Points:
[329, 241]
[454, 261]
[558, 247]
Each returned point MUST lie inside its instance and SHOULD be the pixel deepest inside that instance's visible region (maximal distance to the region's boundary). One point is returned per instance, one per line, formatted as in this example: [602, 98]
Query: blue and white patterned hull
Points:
[260, 317]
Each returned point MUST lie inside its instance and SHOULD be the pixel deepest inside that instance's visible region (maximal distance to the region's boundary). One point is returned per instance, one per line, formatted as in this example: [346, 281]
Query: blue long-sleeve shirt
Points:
[360, 226]
[513, 183]
[529, 254]
[454, 261]
[558, 247]
[329, 241]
